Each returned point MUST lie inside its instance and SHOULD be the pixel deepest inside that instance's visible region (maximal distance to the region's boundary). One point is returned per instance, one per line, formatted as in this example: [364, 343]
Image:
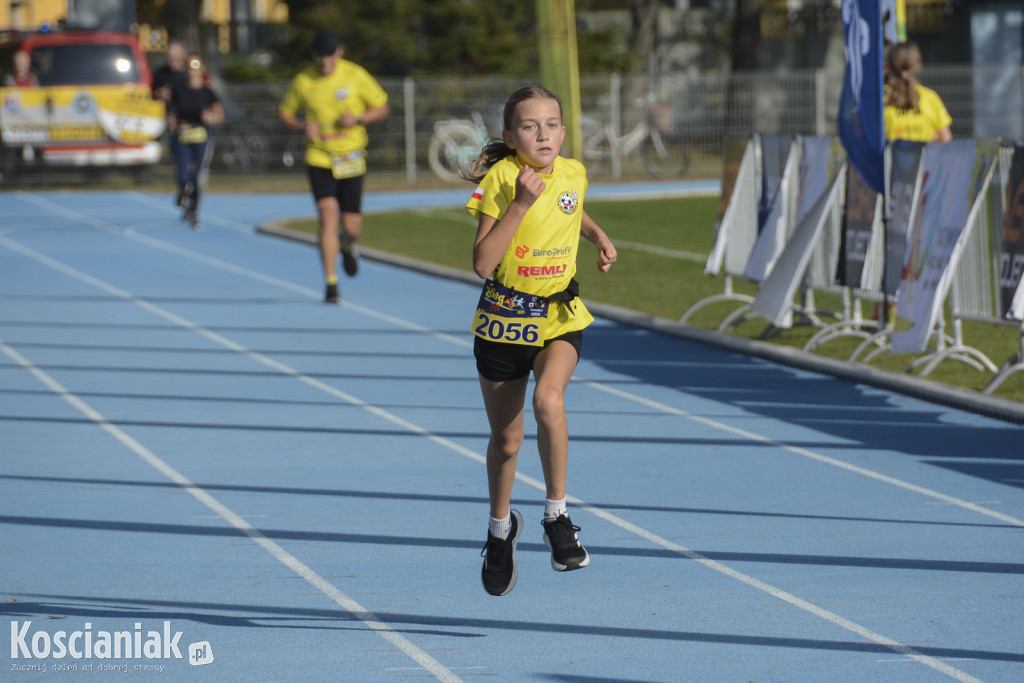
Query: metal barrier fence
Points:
[672, 125]
[958, 258]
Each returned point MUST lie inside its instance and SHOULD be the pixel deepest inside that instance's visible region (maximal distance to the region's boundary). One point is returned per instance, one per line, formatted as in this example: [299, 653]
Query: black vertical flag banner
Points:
[858, 216]
[1011, 255]
[906, 160]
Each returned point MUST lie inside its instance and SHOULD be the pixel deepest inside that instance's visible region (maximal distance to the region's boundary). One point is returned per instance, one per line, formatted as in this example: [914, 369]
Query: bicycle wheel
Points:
[597, 148]
[655, 154]
[683, 152]
[666, 156]
[453, 149]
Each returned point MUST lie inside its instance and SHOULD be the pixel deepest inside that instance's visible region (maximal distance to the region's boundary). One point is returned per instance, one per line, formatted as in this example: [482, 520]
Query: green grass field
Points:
[663, 245]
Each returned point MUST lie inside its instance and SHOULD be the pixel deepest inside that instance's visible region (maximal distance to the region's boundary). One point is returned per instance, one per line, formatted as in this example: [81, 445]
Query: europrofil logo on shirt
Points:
[86, 644]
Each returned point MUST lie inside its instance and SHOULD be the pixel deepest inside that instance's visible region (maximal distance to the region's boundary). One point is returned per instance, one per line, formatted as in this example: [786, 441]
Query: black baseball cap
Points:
[325, 43]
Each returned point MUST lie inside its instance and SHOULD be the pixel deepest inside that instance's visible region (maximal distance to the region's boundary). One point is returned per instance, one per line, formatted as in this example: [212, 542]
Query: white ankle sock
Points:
[500, 528]
[553, 509]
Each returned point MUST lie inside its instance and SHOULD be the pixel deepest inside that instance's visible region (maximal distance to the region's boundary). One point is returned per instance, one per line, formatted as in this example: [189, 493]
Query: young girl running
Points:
[529, 204]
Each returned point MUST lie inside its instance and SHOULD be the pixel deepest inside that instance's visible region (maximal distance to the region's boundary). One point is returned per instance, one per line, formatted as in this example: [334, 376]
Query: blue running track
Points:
[198, 457]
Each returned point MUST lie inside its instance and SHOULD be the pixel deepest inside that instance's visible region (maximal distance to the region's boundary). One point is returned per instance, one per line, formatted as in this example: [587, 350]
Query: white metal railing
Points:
[699, 111]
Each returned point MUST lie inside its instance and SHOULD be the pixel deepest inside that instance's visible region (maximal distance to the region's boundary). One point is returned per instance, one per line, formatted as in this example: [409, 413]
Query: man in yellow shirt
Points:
[337, 100]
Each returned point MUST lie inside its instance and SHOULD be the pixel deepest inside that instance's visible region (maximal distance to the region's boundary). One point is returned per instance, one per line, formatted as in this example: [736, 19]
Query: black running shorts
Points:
[501, 362]
[348, 191]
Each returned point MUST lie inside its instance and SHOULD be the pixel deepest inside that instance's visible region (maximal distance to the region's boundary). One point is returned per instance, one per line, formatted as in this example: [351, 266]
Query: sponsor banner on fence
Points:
[858, 224]
[819, 164]
[906, 163]
[774, 213]
[818, 181]
[736, 154]
[1011, 254]
[732, 157]
[948, 190]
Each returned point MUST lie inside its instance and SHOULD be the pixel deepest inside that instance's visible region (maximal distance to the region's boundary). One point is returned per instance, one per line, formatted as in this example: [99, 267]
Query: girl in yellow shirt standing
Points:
[912, 111]
[529, 205]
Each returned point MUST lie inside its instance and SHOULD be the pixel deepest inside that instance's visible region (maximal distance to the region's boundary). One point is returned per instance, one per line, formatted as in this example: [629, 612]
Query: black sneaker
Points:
[500, 571]
[566, 552]
[331, 295]
[185, 200]
[349, 257]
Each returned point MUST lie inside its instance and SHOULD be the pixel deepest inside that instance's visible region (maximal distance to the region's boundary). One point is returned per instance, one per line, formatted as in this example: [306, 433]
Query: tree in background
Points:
[180, 18]
[643, 34]
[746, 39]
[422, 37]
[414, 37]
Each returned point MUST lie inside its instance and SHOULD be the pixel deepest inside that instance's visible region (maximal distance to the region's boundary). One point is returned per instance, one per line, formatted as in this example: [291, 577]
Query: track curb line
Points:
[909, 385]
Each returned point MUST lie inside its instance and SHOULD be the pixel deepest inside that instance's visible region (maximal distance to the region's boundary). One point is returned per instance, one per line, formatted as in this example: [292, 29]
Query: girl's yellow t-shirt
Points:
[542, 256]
[919, 124]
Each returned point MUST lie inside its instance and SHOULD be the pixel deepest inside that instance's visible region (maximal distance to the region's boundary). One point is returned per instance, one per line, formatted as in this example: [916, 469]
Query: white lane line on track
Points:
[661, 407]
[662, 251]
[280, 554]
[607, 516]
[807, 453]
[369, 619]
[207, 219]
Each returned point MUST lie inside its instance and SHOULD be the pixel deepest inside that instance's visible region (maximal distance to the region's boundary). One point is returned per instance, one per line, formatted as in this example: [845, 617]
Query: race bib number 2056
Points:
[504, 315]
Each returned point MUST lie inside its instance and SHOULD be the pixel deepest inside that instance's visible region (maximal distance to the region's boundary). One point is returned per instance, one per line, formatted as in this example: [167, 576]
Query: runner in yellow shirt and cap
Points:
[336, 99]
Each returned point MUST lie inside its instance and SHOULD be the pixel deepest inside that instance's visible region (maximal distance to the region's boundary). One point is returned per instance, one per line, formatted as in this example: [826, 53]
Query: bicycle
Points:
[455, 146]
[456, 143]
[653, 126]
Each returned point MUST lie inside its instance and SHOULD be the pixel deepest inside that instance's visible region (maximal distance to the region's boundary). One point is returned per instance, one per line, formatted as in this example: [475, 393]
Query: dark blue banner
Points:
[906, 160]
[860, 107]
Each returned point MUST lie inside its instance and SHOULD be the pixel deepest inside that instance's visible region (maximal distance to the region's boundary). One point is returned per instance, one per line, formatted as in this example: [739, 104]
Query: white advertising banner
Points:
[776, 213]
[818, 190]
[948, 191]
[736, 228]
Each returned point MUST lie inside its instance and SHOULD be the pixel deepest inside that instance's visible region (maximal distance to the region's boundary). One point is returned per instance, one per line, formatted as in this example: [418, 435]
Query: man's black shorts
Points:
[348, 191]
[501, 362]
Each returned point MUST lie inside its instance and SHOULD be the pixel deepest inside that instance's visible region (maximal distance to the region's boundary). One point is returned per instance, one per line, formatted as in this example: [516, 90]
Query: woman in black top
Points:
[193, 109]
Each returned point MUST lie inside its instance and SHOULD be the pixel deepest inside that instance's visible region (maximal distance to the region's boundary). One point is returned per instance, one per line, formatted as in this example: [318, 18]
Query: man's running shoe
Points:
[349, 256]
[566, 552]
[500, 570]
[331, 295]
[192, 219]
